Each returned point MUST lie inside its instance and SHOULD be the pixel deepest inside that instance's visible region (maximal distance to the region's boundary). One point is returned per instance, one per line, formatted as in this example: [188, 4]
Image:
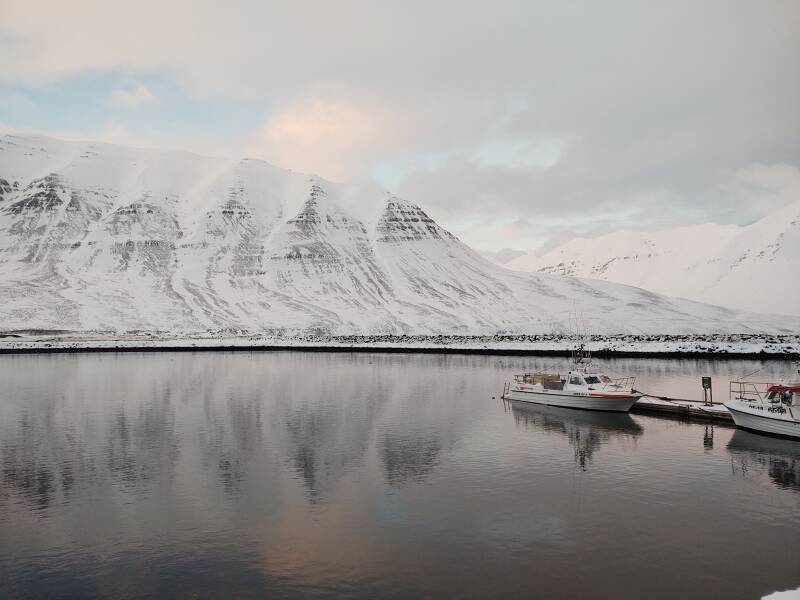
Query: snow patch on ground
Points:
[785, 595]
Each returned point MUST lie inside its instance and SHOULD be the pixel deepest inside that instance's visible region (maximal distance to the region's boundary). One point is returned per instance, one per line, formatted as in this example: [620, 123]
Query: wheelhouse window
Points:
[592, 379]
[575, 381]
[781, 396]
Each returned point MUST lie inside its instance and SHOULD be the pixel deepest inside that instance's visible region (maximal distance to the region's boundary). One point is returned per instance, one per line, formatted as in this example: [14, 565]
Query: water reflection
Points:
[41, 461]
[141, 443]
[753, 454]
[409, 457]
[329, 436]
[586, 430]
[232, 438]
[708, 436]
[311, 475]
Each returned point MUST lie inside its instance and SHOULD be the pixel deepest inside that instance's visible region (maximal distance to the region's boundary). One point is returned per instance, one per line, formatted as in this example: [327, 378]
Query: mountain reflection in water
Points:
[586, 430]
[297, 475]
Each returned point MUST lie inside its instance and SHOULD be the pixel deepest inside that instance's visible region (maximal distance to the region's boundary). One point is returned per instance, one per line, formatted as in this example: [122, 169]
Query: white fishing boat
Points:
[582, 387]
[771, 408]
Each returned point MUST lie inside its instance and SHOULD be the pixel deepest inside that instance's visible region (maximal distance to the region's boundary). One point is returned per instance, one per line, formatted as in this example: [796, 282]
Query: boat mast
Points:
[581, 357]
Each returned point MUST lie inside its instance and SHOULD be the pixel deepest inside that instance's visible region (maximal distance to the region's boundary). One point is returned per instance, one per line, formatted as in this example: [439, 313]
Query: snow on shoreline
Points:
[718, 346]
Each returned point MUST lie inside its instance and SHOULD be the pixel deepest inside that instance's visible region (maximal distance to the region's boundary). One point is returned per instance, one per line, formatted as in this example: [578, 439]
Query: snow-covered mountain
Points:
[750, 268]
[96, 236]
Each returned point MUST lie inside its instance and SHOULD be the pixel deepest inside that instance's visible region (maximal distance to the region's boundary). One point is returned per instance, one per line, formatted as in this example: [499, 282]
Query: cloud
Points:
[344, 132]
[554, 116]
[133, 97]
[759, 188]
[111, 132]
[328, 137]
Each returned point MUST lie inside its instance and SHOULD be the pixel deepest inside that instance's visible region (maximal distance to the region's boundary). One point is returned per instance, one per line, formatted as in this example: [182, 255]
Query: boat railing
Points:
[759, 392]
[536, 378]
[621, 383]
[749, 391]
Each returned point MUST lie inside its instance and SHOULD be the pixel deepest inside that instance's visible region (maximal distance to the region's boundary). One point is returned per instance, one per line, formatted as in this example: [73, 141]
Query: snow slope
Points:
[102, 237]
[749, 268]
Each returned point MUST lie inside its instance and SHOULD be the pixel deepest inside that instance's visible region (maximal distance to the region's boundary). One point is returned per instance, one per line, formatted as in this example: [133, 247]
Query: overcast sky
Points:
[514, 123]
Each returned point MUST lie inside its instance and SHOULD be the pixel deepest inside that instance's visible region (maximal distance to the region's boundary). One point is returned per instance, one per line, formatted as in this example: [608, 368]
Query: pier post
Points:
[708, 396]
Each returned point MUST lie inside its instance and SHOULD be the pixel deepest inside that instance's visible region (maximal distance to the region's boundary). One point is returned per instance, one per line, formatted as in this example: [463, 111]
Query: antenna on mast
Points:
[580, 355]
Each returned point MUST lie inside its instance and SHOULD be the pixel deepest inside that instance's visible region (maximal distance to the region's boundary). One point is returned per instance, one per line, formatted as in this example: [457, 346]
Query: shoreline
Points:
[626, 346]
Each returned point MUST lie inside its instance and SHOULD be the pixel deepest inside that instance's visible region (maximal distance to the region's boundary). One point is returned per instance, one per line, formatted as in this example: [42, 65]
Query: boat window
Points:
[592, 379]
[575, 381]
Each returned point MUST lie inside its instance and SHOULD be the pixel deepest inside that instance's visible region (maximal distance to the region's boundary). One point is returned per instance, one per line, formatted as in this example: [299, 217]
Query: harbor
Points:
[383, 301]
[768, 408]
[677, 408]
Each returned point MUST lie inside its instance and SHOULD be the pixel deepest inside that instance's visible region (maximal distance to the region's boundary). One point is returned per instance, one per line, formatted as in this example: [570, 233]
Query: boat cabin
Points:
[579, 379]
[783, 394]
[548, 381]
[588, 379]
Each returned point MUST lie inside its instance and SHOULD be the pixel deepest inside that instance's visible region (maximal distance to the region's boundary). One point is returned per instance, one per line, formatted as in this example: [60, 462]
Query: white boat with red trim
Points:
[580, 388]
[771, 408]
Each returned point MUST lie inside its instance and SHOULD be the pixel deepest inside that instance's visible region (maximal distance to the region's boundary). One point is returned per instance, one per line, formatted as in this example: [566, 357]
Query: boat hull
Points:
[747, 417]
[608, 403]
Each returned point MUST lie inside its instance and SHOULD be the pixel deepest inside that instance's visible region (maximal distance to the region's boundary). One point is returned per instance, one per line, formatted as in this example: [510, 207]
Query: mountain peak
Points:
[404, 221]
[95, 236]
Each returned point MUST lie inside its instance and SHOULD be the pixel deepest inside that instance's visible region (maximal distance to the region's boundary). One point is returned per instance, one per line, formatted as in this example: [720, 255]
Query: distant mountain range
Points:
[504, 256]
[102, 237]
[751, 268]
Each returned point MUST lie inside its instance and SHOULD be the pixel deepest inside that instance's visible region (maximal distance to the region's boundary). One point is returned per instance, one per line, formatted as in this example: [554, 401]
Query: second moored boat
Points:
[581, 388]
[771, 408]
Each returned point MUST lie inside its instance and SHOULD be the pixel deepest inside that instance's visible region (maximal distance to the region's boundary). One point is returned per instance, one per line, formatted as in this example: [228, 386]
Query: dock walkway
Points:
[682, 408]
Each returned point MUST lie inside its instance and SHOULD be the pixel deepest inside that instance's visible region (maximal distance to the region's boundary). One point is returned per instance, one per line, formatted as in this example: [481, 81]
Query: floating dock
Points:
[673, 407]
[682, 408]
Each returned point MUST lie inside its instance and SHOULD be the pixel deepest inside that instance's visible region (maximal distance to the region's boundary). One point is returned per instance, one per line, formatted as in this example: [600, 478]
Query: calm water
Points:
[221, 475]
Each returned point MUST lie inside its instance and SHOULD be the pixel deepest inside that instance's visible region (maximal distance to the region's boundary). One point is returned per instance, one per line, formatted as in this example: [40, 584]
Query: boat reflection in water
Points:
[779, 459]
[586, 431]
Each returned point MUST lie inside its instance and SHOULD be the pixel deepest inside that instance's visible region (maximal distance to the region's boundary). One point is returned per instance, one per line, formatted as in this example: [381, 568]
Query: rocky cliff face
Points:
[96, 236]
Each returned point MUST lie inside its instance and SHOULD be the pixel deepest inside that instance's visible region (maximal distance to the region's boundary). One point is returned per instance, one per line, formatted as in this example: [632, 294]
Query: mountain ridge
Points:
[727, 265]
[97, 236]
